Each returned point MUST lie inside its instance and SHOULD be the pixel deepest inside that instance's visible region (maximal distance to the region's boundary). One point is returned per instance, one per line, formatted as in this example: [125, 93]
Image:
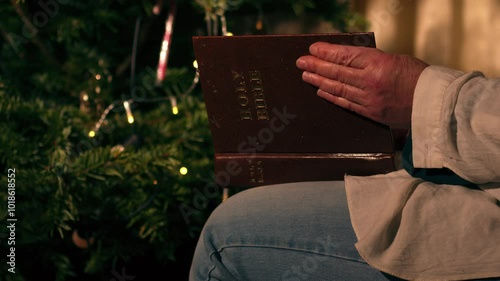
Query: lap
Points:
[286, 232]
[293, 213]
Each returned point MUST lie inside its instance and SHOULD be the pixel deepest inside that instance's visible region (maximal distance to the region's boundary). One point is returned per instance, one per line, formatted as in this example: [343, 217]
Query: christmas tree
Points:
[105, 149]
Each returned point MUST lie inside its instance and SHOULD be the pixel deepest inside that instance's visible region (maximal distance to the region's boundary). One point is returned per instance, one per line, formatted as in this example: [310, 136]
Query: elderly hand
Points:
[372, 83]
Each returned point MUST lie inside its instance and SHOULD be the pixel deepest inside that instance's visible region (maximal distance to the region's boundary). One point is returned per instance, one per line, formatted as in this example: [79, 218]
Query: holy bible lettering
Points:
[257, 92]
[271, 125]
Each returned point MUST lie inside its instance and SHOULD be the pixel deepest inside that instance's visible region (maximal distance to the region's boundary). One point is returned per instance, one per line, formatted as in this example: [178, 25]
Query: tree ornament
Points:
[80, 242]
[165, 46]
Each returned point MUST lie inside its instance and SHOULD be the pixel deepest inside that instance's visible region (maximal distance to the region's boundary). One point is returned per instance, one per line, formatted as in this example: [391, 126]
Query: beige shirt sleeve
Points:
[456, 123]
[419, 230]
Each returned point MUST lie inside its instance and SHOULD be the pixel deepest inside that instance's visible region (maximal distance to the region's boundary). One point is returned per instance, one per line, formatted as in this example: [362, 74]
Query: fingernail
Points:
[306, 75]
[301, 63]
[313, 48]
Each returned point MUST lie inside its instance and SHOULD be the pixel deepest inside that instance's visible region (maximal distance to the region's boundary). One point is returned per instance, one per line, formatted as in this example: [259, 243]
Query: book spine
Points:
[243, 171]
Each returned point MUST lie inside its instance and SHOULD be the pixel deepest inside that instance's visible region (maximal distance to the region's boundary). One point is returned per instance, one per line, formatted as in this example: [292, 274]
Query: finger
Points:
[343, 74]
[336, 88]
[344, 103]
[351, 56]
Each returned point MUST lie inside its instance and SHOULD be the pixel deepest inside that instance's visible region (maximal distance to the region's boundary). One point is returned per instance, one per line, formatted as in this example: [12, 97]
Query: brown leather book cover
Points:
[268, 126]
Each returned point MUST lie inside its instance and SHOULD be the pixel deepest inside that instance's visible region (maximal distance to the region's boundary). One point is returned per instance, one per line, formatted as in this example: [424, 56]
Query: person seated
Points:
[438, 218]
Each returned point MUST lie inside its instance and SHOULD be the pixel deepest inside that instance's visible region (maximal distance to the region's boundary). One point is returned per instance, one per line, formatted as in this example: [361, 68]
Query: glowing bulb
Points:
[156, 9]
[98, 77]
[183, 171]
[85, 97]
[155, 182]
[229, 34]
[97, 90]
[91, 134]
[195, 64]
[175, 109]
[258, 25]
[130, 117]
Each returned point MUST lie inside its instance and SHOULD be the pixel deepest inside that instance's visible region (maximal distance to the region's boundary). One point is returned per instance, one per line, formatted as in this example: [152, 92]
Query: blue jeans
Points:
[293, 232]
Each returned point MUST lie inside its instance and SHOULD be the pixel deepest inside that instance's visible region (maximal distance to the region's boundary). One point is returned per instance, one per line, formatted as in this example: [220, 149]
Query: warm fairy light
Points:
[97, 90]
[195, 64]
[155, 182]
[85, 97]
[173, 101]
[91, 134]
[229, 34]
[183, 171]
[258, 25]
[157, 8]
[130, 117]
[98, 77]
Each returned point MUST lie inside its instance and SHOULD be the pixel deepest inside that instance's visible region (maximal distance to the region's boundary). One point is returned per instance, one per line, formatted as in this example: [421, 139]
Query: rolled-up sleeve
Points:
[456, 123]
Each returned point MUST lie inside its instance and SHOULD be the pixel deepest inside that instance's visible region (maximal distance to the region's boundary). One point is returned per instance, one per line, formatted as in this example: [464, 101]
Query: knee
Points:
[226, 212]
[231, 217]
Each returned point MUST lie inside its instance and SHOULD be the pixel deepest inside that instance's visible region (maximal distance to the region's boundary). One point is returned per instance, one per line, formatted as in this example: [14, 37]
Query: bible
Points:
[269, 127]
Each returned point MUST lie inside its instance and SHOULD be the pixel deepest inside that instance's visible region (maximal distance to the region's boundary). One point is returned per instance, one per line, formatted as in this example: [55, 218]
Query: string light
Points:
[183, 171]
[175, 109]
[157, 7]
[98, 77]
[112, 106]
[223, 23]
[130, 117]
[259, 24]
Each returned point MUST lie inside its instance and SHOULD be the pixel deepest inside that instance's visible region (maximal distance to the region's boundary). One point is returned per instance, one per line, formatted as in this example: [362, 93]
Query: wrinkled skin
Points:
[372, 83]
